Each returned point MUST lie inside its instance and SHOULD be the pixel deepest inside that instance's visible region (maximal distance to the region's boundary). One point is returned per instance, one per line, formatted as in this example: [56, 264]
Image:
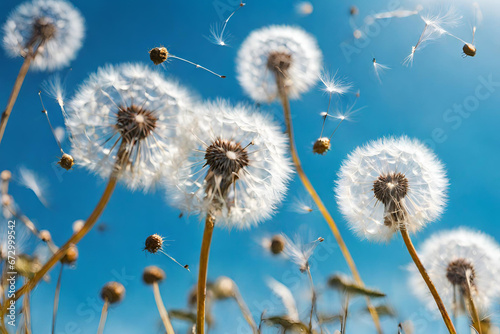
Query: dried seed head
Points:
[43, 30]
[279, 62]
[45, 235]
[135, 123]
[457, 272]
[224, 288]
[66, 161]
[469, 50]
[153, 274]
[71, 255]
[154, 243]
[6, 175]
[77, 225]
[158, 55]
[321, 146]
[113, 292]
[390, 189]
[277, 244]
[354, 10]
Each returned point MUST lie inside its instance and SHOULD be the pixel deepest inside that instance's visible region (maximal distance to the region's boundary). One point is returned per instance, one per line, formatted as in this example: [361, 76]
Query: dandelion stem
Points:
[427, 279]
[104, 314]
[319, 203]
[202, 275]
[17, 87]
[313, 297]
[245, 311]
[76, 237]
[476, 321]
[27, 314]
[162, 310]
[56, 299]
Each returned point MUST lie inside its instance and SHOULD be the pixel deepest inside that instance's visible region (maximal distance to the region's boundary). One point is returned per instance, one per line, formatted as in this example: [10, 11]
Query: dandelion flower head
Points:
[239, 171]
[452, 256]
[54, 26]
[127, 112]
[390, 184]
[290, 50]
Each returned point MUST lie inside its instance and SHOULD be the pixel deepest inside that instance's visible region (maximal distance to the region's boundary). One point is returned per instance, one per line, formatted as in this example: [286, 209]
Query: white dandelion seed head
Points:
[133, 104]
[444, 248]
[333, 84]
[411, 181]
[240, 165]
[258, 81]
[57, 51]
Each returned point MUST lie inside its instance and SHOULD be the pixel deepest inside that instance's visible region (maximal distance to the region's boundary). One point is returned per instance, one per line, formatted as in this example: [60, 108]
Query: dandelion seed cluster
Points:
[133, 105]
[55, 24]
[389, 184]
[239, 170]
[268, 47]
[448, 256]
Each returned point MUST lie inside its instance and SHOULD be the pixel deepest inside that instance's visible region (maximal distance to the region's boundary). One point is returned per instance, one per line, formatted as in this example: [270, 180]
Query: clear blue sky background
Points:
[410, 101]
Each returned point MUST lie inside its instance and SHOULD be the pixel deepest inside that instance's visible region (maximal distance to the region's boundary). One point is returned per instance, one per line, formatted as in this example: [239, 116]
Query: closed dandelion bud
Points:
[277, 244]
[113, 292]
[153, 274]
[45, 236]
[71, 255]
[66, 161]
[321, 146]
[469, 50]
[158, 55]
[224, 288]
[77, 225]
[153, 243]
[6, 175]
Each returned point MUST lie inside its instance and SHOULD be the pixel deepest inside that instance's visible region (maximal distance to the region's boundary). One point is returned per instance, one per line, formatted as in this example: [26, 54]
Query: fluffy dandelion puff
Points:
[452, 256]
[54, 24]
[127, 112]
[239, 171]
[267, 47]
[30, 180]
[390, 184]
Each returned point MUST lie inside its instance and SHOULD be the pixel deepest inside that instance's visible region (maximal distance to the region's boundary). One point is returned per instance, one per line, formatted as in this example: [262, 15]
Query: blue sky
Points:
[420, 101]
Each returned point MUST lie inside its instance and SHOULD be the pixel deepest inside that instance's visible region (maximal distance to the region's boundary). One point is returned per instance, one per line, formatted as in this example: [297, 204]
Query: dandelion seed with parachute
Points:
[154, 244]
[379, 69]
[159, 55]
[217, 31]
[32, 181]
[299, 252]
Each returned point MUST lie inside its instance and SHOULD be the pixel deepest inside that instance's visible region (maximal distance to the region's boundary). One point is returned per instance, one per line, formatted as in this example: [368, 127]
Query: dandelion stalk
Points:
[104, 314]
[162, 310]
[319, 203]
[313, 302]
[245, 311]
[15, 90]
[202, 275]
[27, 314]
[476, 321]
[76, 237]
[56, 299]
[427, 279]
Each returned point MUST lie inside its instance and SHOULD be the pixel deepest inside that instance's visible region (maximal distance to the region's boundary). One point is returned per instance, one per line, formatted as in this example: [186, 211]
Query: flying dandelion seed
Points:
[54, 87]
[469, 49]
[465, 258]
[435, 27]
[304, 8]
[130, 113]
[273, 48]
[389, 184]
[379, 69]
[154, 244]
[160, 54]
[302, 205]
[30, 180]
[217, 31]
[60, 133]
[398, 13]
[239, 171]
[300, 253]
